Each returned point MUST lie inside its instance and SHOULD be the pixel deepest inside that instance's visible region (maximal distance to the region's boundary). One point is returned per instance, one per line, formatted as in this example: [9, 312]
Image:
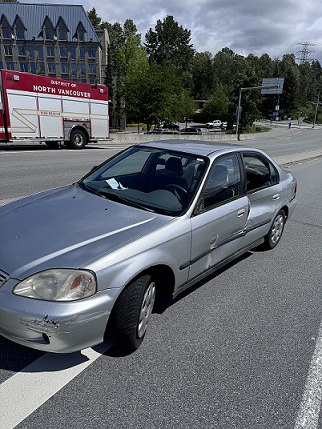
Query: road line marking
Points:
[308, 415]
[27, 390]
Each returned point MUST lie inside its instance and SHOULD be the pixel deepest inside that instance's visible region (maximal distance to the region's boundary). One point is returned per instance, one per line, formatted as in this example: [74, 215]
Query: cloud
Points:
[274, 27]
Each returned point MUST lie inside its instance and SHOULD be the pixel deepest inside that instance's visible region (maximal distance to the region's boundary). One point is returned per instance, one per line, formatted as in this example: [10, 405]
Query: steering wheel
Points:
[177, 190]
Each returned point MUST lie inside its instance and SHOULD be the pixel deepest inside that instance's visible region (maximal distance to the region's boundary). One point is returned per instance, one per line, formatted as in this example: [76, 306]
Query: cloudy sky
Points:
[275, 27]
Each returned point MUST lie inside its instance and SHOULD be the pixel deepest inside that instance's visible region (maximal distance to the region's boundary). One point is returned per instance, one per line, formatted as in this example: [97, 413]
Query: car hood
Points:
[66, 228]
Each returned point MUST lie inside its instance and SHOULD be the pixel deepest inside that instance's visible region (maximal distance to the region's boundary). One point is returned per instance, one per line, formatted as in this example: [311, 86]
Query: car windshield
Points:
[152, 179]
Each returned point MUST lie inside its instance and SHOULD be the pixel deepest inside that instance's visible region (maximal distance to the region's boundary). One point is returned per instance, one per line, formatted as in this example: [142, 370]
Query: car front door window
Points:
[224, 182]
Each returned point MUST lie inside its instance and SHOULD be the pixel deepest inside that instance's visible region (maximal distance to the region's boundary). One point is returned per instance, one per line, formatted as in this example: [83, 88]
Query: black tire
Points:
[132, 312]
[78, 139]
[276, 230]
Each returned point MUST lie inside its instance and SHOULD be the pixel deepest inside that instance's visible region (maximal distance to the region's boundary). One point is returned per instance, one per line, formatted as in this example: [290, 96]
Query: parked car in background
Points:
[171, 126]
[191, 130]
[161, 131]
[214, 124]
[91, 257]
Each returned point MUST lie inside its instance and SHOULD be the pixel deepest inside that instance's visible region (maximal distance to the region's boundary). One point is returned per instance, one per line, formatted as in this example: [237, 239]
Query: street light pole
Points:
[238, 113]
[239, 101]
[316, 109]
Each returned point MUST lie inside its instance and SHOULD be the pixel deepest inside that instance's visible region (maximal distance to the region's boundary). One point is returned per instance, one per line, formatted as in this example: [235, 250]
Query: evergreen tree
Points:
[94, 18]
[169, 43]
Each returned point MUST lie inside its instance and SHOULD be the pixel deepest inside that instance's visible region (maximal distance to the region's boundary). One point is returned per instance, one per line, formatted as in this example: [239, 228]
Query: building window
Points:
[82, 53]
[23, 67]
[92, 68]
[74, 69]
[21, 51]
[91, 52]
[20, 33]
[31, 52]
[6, 33]
[73, 53]
[40, 52]
[7, 50]
[33, 68]
[62, 34]
[1, 65]
[84, 80]
[64, 68]
[10, 65]
[63, 52]
[81, 36]
[83, 69]
[49, 34]
[50, 52]
[51, 68]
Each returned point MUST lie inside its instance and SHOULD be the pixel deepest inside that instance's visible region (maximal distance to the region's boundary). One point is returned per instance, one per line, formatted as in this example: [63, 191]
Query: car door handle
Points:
[276, 197]
[241, 213]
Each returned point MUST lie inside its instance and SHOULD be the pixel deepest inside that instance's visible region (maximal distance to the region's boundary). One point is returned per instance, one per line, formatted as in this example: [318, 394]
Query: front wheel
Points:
[132, 313]
[78, 139]
[276, 230]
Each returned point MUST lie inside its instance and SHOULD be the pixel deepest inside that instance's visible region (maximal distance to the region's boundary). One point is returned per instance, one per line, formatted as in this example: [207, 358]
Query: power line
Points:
[305, 52]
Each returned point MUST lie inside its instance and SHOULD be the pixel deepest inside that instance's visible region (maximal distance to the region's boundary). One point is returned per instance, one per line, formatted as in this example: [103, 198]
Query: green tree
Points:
[115, 69]
[227, 65]
[251, 99]
[151, 93]
[169, 43]
[187, 105]
[202, 75]
[289, 99]
[94, 18]
[217, 106]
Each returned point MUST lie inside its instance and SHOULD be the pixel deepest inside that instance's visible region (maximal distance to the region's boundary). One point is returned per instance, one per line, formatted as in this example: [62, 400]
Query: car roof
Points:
[196, 147]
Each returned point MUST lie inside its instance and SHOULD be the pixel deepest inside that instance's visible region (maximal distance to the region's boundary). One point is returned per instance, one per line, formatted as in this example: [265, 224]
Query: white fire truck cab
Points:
[51, 110]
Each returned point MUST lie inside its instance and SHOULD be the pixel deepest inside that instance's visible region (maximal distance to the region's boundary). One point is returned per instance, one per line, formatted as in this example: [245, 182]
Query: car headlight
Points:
[58, 285]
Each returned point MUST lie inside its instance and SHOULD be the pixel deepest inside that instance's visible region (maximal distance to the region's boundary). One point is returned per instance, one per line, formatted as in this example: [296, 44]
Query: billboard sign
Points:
[275, 83]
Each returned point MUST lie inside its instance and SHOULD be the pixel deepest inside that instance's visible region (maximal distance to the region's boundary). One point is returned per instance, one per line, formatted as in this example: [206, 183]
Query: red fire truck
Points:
[51, 110]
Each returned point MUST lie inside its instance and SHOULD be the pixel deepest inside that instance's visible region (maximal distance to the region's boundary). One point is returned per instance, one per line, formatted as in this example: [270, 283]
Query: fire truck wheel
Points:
[77, 139]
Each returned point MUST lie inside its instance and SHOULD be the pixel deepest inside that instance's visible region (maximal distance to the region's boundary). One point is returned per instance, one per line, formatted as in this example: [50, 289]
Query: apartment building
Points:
[55, 40]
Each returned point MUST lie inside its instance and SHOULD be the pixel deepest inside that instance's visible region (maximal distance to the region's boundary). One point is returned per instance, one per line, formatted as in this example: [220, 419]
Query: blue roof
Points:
[34, 15]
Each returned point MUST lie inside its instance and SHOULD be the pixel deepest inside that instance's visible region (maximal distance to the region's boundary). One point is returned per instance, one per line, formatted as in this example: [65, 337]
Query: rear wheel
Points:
[78, 139]
[276, 230]
[132, 313]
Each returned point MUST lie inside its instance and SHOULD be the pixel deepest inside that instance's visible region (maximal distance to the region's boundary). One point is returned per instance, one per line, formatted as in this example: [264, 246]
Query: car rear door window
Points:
[260, 173]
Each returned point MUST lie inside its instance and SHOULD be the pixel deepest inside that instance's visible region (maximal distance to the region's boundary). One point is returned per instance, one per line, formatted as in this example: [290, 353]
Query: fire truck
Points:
[50, 110]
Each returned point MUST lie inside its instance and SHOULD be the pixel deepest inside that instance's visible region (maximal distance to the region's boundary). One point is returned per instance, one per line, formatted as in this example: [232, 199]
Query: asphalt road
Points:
[240, 350]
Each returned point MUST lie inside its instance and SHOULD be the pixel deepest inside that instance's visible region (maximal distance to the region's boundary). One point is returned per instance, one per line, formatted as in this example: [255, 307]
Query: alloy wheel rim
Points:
[277, 229]
[146, 309]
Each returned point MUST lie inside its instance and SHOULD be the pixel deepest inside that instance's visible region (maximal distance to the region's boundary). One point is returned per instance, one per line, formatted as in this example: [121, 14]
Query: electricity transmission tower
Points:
[305, 52]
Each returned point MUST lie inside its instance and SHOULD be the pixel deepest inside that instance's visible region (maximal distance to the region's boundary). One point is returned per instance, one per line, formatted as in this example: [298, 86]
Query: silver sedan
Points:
[154, 219]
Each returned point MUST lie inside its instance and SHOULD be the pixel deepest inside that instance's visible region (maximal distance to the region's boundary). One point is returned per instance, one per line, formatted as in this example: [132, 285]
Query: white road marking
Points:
[27, 390]
[308, 415]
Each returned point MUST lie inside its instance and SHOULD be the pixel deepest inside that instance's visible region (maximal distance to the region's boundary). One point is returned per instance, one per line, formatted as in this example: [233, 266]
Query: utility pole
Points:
[316, 109]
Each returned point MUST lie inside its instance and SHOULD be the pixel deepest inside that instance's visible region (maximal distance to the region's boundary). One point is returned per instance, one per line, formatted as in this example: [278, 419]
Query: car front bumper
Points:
[59, 327]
